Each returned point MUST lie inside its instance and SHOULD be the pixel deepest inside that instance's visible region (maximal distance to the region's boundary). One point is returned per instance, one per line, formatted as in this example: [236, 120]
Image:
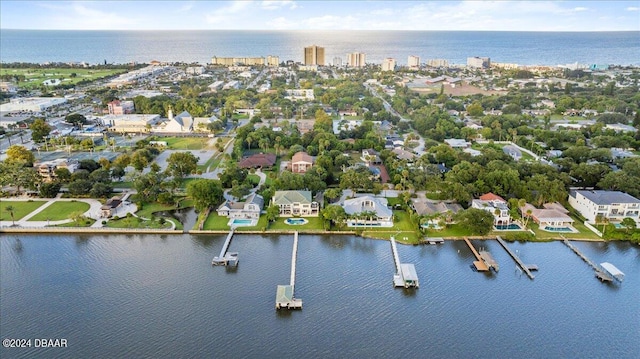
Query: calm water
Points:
[547, 48]
[158, 296]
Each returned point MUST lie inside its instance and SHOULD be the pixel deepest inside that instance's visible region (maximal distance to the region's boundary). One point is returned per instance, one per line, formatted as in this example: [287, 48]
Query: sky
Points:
[322, 15]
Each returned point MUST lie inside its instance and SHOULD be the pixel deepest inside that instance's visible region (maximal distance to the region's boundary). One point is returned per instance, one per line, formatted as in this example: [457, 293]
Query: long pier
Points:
[225, 258]
[524, 267]
[479, 263]
[285, 293]
[600, 273]
[405, 275]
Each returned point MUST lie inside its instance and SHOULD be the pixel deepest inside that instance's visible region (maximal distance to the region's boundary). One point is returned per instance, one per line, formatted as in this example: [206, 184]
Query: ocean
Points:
[158, 296]
[525, 48]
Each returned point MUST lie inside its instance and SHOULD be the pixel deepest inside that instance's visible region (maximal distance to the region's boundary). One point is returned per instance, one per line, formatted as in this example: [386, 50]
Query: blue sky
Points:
[322, 15]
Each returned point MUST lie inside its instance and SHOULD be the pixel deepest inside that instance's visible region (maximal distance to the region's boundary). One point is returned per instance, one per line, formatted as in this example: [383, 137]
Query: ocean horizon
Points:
[199, 46]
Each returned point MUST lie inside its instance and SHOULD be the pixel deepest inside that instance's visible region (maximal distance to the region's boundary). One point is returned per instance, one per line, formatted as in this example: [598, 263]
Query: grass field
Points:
[34, 77]
[315, 223]
[20, 209]
[186, 143]
[61, 210]
[135, 222]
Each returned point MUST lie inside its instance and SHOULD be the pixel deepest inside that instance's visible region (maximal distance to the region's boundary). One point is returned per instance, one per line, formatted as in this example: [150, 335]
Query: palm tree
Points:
[10, 209]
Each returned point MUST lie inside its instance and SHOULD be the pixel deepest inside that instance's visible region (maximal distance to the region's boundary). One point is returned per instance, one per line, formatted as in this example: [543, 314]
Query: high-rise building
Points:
[413, 61]
[389, 64]
[314, 55]
[438, 63]
[337, 61]
[356, 59]
[479, 62]
[273, 60]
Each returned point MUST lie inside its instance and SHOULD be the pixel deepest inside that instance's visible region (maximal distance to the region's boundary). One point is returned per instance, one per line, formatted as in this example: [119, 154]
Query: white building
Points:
[231, 85]
[457, 143]
[479, 62]
[612, 205]
[389, 64]
[131, 123]
[438, 63]
[300, 94]
[368, 211]
[195, 70]
[215, 86]
[413, 61]
[337, 61]
[31, 104]
[272, 61]
[495, 205]
[117, 107]
[250, 208]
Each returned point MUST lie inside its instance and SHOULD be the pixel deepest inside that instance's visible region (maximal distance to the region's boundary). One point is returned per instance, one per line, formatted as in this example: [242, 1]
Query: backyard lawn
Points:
[314, 223]
[61, 210]
[136, 222]
[20, 209]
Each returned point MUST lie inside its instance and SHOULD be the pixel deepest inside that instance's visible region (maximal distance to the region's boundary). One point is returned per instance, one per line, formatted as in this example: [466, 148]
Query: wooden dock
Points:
[405, 275]
[224, 258]
[600, 273]
[525, 267]
[285, 293]
[479, 263]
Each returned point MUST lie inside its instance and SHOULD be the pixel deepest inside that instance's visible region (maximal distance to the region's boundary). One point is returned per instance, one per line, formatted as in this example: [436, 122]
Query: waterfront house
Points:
[249, 208]
[296, 203]
[368, 211]
[552, 215]
[495, 205]
[611, 205]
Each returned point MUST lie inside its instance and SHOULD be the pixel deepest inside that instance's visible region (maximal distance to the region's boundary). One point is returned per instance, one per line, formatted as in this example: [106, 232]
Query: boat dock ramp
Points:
[284, 293]
[526, 268]
[602, 273]
[224, 258]
[405, 275]
[484, 261]
[432, 240]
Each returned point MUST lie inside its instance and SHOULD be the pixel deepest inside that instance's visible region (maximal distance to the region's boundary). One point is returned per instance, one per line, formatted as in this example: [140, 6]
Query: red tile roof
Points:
[492, 197]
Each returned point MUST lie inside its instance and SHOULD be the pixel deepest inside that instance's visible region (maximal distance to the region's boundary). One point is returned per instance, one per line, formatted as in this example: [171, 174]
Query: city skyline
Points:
[322, 15]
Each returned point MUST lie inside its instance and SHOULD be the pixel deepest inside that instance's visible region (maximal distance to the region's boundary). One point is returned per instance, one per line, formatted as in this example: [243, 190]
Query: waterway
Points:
[137, 296]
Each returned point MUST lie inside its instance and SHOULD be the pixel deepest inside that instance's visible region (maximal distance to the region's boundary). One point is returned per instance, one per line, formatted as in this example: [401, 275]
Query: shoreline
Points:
[90, 230]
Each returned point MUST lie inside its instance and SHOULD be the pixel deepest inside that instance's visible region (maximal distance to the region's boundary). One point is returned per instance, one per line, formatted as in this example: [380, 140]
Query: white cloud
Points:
[274, 5]
[225, 14]
[186, 7]
[82, 15]
[580, 8]
[281, 23]
[633, 8]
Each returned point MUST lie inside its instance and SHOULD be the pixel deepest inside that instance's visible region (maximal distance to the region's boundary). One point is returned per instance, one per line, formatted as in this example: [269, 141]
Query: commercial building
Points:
[300, 94]
[479, 62]
[131, 123]
[611, 205]
[117, 107]
[273, 61]
[389, 64]
[413, 61]
[314, 55]
[31, 104]
[231, 61]
[438, 63]
[356, 59]
[337, 61]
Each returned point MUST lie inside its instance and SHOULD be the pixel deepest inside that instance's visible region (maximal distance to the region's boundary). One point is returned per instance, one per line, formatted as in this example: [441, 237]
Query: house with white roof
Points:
[457, 143]
[612, 205]
[250, 208]
[368, 211]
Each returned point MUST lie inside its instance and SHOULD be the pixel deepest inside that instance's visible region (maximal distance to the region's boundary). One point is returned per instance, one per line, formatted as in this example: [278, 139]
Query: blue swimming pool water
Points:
[502, 227]
[557, 229]
[241, 221]
[295, 221]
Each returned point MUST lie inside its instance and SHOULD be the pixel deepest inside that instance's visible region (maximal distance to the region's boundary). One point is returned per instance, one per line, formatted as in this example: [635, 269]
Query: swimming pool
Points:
[557, 229]
[508, 227]
[431, 226]
[295, 221]
[239, 222]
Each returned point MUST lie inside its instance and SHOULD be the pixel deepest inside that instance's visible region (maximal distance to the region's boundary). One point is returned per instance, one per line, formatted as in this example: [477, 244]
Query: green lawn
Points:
[36, 76]
[315, 223]
[61, 210]
[584, 232]
[149, 209]
[135, 222]
[215, 222]
[87, 222]
[186, 143]
[402, 228]
[452, 230]
[212, 163]
[20, 209]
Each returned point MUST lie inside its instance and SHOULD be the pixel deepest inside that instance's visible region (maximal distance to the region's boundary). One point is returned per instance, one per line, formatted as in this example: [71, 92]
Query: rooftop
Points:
[600, 197]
